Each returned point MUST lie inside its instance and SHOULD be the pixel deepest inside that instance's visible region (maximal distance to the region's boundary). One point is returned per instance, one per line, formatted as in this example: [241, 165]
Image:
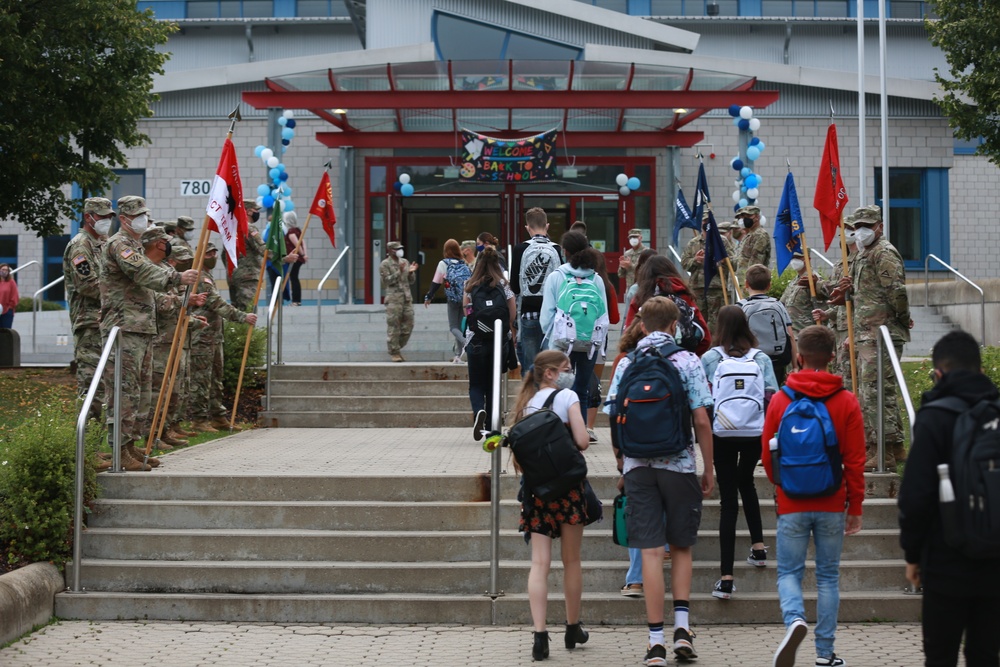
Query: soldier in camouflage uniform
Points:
[626, 268]
[184, 231]
[836, 315]
[128, 283]
[396, 280]
[755, 247]
[878, 280]
[205, 408]
[798, 300]
[243, 280]
[693, 261]
[82, 273]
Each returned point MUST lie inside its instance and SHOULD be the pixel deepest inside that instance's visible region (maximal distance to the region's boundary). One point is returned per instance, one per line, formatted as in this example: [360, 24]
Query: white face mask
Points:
[189, 236]
[140, 224]
[798, 264]
[864, 236]
[102, 227]
[399, 253]
[565, 380]
[634, 242]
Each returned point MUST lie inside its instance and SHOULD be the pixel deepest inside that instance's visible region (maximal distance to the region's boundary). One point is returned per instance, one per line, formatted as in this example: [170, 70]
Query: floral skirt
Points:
[546, 517]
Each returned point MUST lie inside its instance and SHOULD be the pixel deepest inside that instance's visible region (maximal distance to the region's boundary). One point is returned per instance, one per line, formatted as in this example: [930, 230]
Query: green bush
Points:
[236, 336]
[779, 283]
[24, 305]
[37, 486]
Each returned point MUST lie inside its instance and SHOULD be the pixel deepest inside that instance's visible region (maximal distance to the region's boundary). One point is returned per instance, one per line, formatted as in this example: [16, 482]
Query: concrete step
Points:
[451, 419]
[376, 371]
[461, 578]
[598, 608]
[386, 404]
[321, 388]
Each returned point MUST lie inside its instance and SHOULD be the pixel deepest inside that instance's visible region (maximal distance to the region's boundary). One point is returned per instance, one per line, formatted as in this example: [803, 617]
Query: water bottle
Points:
[946, 493]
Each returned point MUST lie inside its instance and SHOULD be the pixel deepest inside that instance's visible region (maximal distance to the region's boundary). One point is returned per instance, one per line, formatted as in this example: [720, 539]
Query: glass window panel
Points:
[694, 7]
[202, 9]
[541, 75]
[613, 5]
[659, 78]
[666, 7]
[727, 7]
[804, 8]
[8, 249]
[258, 8]
[831, 8]
[376, 207]
[362, 78]
[480, 75]
[229, 9]
[905, 185]
[600, 76]
[315, 81]
[904, 232]
[453, 35]
[535, 120]
[776, 8]
[55, 246]
[529, 48]
[376, 178]
[313, 8]
[602, 222]
[421, 76]
[905, 9]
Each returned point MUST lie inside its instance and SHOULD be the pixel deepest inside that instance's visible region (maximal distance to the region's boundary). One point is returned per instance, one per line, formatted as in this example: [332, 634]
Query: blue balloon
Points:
[263, 190]
[290, 123]
[283, 149]
[287, 190]
[285, 142]
[287, 133]
[743, 202]
[633, 184]
[753, 153]
[738, 165]
[281, 166]
[268, 201]
[282, 121]
[761, 146]
[257, 151]
[736, 121]
[743, 124]
[288, 205]
[283, 176]
[276, 193]
[407, 189]
[274, 173]
[734, 110]
[755, 141]
[745, 171]
[397, 186]
[751, 181]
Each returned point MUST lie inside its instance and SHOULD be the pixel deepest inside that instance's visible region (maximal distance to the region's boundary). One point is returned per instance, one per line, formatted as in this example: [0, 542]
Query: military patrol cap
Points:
[394, 245]
[154, 234]
[748, 211]
[210, 247]
[468, 244]
[181, 253]
[169, 225]
[132, 206]
[185, 223]
[250, 205]
[635, 232]
[725, 226]
[871, 215]
[97, 206]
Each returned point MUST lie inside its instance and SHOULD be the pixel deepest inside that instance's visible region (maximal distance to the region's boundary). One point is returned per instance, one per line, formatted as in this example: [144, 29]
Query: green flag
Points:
[276, 239]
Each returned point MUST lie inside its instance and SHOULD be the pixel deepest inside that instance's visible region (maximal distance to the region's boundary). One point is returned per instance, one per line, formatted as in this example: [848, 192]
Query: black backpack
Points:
[544, 448]
[691, 332]
[651, 414]
[972, 523]
[489, 303]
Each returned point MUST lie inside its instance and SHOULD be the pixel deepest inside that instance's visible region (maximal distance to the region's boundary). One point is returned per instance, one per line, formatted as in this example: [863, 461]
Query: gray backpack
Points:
[767, 322]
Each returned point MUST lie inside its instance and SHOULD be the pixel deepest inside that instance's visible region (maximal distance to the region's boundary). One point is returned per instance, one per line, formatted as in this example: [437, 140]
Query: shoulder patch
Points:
[127, 252]
[78, 259]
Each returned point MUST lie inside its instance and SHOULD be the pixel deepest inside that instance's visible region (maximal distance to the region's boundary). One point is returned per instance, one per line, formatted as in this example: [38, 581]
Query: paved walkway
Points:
[161, 644]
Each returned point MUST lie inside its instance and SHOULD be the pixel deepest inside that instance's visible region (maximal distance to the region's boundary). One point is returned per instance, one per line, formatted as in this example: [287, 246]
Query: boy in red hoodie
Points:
[824, 516]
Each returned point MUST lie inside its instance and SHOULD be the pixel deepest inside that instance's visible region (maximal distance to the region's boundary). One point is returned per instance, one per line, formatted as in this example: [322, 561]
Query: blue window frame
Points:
[963, 147]
[696, 8]
[54, 247]
[918, 213]
[8, 250]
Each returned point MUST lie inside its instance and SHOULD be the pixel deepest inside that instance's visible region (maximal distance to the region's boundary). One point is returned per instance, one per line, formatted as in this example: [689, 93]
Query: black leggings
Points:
[735, 460]
[945, 618]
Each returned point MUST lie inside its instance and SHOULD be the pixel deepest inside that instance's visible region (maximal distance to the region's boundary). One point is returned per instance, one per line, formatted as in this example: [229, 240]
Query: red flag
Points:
[225, 205]
[322, 207]
[831, 196]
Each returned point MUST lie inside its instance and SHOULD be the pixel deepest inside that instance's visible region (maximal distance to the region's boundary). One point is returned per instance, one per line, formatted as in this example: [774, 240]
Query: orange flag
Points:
[322, 207]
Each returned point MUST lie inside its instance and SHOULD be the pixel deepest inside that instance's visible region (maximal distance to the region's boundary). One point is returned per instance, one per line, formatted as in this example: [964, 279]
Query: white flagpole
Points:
[861, 103]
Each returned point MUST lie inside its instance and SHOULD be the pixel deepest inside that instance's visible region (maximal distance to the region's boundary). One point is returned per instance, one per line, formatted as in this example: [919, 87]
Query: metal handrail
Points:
[885, 345]
[35, 303]
[495, 462]
[817, 253]
[114, 341]
[24, 266]
[982, 295]
[275, 295]
[319, 297]
[678, 258]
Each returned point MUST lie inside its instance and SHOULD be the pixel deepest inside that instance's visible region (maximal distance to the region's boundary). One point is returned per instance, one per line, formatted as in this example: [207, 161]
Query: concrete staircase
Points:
[406, 549]
[928, 327]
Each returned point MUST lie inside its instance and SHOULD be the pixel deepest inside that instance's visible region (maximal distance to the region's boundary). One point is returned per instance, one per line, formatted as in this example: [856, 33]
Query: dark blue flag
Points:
[715, 251]
[787, 225]
[701, 196]
[683, 217]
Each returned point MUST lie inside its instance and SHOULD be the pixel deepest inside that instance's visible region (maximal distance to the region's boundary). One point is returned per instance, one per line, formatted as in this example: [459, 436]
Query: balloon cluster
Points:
[748, 183]
[277, 189]
[626, 184]
[403, 185]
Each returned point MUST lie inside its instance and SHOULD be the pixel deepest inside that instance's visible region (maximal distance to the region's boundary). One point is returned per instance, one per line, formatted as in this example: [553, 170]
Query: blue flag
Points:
[682, 216]
[787, 225]
[701, 196]
[715, 251]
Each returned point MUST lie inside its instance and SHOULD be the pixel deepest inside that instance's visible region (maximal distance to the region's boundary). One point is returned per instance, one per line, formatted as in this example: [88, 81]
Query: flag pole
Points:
[736, 281]
[722, 277]
[298, 244]
[246, 345]
[848, 304]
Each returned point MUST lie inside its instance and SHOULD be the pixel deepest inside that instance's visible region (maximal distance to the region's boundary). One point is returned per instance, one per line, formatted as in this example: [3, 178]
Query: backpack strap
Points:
[547, 405]
[949, 403]
[796, 395]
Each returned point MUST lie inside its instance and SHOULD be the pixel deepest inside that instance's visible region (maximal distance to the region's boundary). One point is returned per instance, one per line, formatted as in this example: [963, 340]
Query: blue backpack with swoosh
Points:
[806, 460]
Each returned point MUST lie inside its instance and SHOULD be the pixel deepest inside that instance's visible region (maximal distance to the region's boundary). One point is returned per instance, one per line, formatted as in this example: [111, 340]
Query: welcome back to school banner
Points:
[508, 160]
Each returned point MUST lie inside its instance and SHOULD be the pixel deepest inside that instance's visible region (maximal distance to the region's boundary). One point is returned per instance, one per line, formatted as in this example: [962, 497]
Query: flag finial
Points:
[235, 116]
[832, 114]
[329, 164]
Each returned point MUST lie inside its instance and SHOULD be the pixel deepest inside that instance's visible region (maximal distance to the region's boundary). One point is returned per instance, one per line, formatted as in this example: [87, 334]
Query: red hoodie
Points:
[847, 422]
[678, 287]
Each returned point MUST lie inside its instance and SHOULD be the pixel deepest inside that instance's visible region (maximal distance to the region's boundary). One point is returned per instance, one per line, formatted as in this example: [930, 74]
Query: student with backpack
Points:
[769, 320]
[742, 379]
[813, 449]
[660, 394]
[659, 276]
[574, 315]
[546, 387]
[952, 548]
[531, 263]
[452, 272]
[487, 298]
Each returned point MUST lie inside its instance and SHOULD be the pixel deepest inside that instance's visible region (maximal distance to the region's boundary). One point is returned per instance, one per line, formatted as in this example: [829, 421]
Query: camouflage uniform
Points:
[632, 254]
[185, 225]
[799, 303]
[128, 283]
[396, 281]
[709, 307]
[755, 248]
[243, 280]
[206, 352]
[880, 298]
[82, 272]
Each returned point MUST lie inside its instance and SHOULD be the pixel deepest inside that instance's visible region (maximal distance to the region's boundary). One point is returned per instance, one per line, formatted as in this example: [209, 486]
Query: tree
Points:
[968, 32]
[76, 77]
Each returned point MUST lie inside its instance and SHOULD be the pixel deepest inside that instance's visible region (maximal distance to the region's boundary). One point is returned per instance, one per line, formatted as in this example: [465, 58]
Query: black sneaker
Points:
[724, 589]
[758, 557]
[479, 425]
[832, 661]
[785, 655]
[684, 644]
[656, 656]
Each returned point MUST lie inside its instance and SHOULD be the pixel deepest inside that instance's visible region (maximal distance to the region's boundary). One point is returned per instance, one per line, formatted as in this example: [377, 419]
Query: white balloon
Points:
[754, 124]
[763, 219]
[266, 154]
[404, 178]
[752, 193]
[746, 113]
[260, 201]
[736, 196]
[621, 180]
[624, 190]
[288, 113]
[272, 162]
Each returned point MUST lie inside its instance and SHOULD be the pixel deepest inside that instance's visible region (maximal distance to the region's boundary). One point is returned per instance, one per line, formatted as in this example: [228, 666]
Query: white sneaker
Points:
[832, 661]
[785, 655]
[479, 426]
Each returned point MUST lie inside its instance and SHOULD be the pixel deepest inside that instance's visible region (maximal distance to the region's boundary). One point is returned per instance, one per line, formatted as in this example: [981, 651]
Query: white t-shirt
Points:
[565, 401]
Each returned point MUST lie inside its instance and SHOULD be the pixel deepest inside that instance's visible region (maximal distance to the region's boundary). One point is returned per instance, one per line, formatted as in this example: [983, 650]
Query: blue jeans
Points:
[827, 529]
[529, 343]
[583, 367]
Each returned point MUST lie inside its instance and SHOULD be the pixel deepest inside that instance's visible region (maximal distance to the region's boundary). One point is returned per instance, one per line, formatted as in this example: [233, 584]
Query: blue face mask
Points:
[480, 248]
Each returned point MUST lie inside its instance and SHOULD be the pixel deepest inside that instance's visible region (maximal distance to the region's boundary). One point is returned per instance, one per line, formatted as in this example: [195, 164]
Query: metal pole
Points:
[498, 339]
[880, 448]
[347, 194]
[275, 293]
[319, 297]
[884, 104]
[861, 102]
[376, 276]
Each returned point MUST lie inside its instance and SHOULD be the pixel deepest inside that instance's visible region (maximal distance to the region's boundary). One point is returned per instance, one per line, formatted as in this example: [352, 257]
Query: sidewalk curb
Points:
[27, 598]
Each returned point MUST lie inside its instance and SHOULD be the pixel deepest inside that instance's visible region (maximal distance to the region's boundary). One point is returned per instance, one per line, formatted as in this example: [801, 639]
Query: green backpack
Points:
[581, 322]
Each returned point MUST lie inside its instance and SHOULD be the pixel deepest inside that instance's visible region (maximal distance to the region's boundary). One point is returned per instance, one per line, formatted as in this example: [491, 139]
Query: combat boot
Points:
[130, 464]
[397, 357]
[182, 432]
[171, 439]
[202, 426]
[151, 461]
[221, 423]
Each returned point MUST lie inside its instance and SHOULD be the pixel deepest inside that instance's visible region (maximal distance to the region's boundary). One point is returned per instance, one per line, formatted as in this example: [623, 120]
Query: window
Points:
[321, 8]
[55, 246]
[804, 8]
[226, 9]
[693, 7]
[963, 147]
[918, 213]
[613, 5]
[8, 250]
[454, 34]
[911, 9]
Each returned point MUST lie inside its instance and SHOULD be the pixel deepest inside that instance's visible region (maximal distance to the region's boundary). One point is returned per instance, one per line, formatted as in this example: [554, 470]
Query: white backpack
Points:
[738, 390]
[540, 259]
